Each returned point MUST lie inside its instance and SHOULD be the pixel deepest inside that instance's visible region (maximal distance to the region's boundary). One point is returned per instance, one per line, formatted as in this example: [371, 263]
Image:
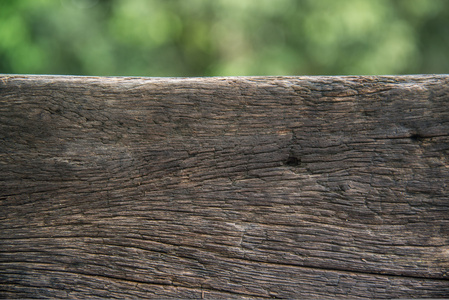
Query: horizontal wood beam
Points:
[240, 187]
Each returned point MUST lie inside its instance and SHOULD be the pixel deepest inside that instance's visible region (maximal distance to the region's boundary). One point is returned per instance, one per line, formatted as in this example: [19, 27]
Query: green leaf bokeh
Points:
[224, 37]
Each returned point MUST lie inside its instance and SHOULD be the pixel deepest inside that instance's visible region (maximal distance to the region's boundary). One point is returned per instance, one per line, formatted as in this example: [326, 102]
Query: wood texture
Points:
[258, 187]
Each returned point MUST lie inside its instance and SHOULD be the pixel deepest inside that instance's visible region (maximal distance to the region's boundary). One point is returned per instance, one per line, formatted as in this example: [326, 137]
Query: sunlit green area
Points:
[224, 37]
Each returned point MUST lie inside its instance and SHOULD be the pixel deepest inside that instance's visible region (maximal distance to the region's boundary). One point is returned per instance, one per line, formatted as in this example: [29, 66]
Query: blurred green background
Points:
[224, 37]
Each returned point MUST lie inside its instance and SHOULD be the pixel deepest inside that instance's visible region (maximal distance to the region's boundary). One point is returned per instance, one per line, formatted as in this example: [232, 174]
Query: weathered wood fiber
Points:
[285, 187]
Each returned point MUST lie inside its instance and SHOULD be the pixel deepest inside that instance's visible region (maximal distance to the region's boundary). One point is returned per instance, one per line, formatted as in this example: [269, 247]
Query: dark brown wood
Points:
[258, 187]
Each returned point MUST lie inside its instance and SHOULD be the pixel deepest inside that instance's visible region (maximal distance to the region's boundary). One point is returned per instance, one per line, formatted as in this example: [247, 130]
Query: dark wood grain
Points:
[285, 187]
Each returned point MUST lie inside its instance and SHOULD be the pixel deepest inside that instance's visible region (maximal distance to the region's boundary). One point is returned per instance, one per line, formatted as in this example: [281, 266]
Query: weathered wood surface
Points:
[316, 187]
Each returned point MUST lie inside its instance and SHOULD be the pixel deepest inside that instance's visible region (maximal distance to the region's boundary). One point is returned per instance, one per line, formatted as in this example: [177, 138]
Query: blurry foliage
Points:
[224, 37]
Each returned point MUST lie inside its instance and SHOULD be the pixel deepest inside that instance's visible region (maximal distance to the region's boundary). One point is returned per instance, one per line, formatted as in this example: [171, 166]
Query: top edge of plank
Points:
[273, 77]
[120, 83]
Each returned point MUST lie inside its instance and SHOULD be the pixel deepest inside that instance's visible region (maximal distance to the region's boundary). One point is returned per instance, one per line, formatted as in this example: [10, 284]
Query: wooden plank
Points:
[224, 187]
